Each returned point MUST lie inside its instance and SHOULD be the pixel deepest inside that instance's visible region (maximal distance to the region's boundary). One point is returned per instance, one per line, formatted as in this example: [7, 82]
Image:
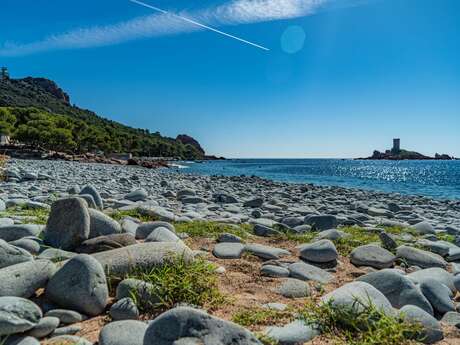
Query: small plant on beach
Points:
[360, 325]
[179, 281]
[212, 229]
[266, 340]
[35, 215]
[119, 215]
[263, 316]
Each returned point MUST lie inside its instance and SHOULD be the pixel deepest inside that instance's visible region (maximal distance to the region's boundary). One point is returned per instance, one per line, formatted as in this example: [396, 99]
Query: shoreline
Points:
[165, 183]
[267, 242]
[180, 169]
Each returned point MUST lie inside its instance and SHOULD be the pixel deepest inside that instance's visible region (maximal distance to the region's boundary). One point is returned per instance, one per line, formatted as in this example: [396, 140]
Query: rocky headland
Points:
[118, 255]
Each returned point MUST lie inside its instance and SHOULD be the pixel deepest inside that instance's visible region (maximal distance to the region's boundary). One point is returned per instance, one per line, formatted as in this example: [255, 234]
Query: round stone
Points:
[80, 285]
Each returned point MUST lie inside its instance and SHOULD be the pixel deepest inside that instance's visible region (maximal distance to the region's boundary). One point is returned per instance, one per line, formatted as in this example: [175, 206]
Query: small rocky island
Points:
[396, 153]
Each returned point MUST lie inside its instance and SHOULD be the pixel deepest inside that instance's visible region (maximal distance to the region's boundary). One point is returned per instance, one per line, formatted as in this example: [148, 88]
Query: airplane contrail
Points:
[198, 24]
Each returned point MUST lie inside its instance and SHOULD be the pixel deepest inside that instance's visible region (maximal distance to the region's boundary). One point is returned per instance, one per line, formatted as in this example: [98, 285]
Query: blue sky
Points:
[342, 77]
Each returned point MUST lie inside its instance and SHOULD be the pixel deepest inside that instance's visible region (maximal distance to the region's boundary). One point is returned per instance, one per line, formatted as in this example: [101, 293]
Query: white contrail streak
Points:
[198, 24]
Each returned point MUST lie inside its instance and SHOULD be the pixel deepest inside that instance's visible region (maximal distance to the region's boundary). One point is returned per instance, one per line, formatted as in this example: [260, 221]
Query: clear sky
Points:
[341, 78]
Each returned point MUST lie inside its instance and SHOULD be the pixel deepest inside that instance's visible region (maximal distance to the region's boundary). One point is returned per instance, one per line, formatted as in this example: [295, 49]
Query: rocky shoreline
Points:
[80, 243]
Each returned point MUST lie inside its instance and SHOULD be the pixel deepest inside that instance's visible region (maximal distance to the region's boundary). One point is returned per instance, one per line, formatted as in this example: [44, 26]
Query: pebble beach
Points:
[67, 228]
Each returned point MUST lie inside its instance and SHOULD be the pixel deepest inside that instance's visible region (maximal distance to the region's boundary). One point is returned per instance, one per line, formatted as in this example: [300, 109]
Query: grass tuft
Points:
[179, 281]
[212, 229]
[366, 325]
[263, 316]
[119, 215]
[32, 215]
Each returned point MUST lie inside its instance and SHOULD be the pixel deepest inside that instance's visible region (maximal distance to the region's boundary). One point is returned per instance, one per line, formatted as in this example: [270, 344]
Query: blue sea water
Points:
[436, 179]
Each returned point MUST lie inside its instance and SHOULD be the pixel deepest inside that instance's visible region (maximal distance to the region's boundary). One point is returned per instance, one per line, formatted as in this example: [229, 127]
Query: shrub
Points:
[262, 317]
[207, 229]
[366, 325]
[178, 281]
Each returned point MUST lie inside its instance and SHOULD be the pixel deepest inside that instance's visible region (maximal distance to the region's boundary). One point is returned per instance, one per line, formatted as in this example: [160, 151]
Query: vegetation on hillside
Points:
[65, 133]
[37, 112]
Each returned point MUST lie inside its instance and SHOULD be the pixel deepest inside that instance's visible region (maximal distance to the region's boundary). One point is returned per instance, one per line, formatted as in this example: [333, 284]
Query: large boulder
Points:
[127, 332]
[322, 222]
[45, 327]
[432, 331]
[68, 224]
[439, 296]
[141, 256]
[197, 327]
[373, 256]
[265, 252]
[303, 271]
[423, 228]
[11, 255]
[24, 279]
[365, 294]
[296, 332]
[101, 224]
[321, 251]
[136, 195]
[104, 243]
[145, 229]
[417, 257]
[397, 288]
[228, 250]
[18, 315]
[95, 194]
[437, 273]
[80, 285]
[15, 232]
[162, 234]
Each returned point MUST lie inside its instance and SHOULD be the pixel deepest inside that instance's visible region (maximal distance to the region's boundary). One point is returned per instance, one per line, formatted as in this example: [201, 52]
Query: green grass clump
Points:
[357, 236]
[263, 316]
[119, 215]
[212, 229]
[365, 325]
[36, 216]
[179, 281]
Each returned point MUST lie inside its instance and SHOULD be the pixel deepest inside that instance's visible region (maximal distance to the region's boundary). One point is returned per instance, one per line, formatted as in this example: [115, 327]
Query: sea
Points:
[435, 179]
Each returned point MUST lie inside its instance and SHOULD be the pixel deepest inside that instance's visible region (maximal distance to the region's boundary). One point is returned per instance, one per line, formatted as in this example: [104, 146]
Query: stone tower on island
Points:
[4, 75]
[396, 145]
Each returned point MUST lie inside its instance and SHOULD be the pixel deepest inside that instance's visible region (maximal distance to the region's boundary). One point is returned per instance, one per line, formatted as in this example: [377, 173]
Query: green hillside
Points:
[36, 111]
